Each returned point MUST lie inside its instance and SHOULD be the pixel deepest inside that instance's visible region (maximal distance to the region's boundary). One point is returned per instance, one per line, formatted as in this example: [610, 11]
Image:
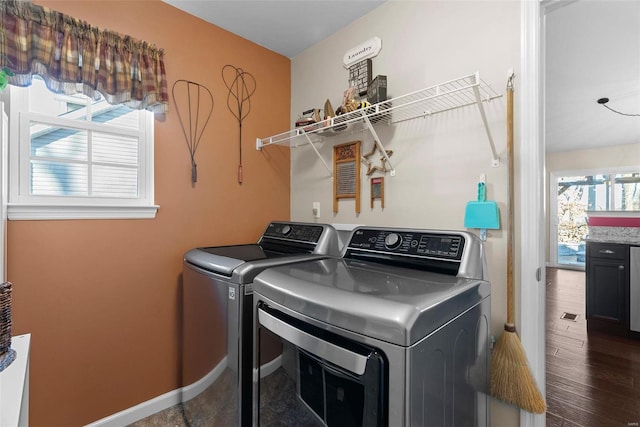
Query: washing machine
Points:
[395, 332]
[217, 317]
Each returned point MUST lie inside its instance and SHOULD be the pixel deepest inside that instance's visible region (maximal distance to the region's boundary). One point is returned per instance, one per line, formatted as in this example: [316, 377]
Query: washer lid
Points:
[281, 242]
[224, 259]
[393, 304]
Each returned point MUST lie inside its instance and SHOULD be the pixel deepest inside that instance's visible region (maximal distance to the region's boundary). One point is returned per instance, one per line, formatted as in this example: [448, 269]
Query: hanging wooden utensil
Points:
[194, 114]
[242, 86]
[511, 378]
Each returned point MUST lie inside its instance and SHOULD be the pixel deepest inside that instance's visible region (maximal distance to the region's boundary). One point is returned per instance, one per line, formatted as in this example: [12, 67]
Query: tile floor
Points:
[209, 408]
[171, 417]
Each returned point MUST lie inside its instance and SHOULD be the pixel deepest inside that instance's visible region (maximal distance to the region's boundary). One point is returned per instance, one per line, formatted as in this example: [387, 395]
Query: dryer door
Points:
[322, 379]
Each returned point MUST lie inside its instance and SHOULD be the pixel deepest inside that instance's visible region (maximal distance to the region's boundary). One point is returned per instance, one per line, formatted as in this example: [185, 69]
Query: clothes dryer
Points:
[393, 333]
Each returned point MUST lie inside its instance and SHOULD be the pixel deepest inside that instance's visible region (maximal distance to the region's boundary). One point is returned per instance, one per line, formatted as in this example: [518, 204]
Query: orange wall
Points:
[101, 298]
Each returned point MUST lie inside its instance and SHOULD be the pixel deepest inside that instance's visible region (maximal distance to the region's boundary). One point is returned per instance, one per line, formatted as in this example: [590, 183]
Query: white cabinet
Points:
[14, 385]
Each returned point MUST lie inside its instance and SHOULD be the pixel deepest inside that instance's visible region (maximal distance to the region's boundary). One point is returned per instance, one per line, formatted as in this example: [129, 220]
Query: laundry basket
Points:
[7, 355]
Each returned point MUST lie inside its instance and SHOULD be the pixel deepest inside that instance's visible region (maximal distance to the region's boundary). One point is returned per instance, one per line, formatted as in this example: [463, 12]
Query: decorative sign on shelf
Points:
[366, 50]
[377, 90]
[360, 76]
[346, 166]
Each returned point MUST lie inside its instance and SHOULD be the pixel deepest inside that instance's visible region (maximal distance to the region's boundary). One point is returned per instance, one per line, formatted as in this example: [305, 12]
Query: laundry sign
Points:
[366, 50]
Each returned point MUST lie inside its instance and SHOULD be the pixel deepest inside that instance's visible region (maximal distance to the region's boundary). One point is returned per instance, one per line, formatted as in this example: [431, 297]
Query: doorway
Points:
[584, 153]
[534, 130]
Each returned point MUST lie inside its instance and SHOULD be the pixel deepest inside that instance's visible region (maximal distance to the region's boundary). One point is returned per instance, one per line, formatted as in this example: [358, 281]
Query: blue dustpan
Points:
[482, 214]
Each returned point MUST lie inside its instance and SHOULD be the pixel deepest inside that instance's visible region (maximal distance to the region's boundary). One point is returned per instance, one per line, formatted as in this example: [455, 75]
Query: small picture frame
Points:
[377, 190]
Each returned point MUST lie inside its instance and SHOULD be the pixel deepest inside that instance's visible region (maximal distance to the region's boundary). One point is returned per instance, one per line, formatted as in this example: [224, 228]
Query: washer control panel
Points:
[293, 231]
[407, 242]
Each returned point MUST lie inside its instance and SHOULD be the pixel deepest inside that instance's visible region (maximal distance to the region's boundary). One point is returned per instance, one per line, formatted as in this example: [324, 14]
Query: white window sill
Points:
[54, 212]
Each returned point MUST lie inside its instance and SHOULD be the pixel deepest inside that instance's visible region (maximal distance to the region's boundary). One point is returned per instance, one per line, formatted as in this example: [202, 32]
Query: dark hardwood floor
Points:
[592, 380]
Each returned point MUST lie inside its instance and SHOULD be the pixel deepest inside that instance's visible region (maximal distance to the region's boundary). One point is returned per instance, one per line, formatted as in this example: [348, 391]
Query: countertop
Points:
[622, 235]
[614, 214]
[617, 239]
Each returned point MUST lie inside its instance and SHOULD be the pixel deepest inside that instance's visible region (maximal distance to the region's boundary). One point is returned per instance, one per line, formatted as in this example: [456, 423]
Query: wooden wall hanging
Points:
[346, 167]
[377, 190]
[383, 163]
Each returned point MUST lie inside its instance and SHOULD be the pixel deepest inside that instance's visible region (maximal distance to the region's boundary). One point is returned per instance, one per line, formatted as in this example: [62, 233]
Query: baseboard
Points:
[270, 367]
[162, 402]
[192, 390]
[138, 412]
[172, 398]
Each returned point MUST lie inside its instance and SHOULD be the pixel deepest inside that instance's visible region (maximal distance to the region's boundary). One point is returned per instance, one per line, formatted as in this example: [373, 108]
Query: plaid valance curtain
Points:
[75, 57]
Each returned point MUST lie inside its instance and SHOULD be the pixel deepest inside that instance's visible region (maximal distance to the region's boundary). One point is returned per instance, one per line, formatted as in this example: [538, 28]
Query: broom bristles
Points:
[511, 379]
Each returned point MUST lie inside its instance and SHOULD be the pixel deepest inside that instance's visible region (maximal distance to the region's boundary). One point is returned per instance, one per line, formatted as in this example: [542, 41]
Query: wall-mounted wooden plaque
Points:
[346, 173]
[377, 190]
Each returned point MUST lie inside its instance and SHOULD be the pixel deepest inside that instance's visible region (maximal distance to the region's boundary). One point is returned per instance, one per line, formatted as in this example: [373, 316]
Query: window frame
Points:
[24, 206]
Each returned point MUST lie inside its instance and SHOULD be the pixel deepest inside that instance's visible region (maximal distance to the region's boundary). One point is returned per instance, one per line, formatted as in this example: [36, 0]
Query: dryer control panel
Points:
[415, 243]
[295, 232]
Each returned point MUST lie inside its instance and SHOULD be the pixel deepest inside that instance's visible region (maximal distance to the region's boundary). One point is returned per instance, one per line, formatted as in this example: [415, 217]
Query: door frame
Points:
[531, 215]
[531, 162]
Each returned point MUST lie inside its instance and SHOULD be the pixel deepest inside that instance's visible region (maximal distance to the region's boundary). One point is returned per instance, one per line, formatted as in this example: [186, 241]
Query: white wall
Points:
[439, 159]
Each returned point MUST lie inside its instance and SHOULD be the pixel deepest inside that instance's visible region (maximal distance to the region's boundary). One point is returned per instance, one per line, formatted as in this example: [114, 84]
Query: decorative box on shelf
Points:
[377, 90]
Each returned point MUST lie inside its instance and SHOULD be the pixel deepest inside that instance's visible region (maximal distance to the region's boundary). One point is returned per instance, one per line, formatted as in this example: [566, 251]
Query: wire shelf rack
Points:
[450, 95]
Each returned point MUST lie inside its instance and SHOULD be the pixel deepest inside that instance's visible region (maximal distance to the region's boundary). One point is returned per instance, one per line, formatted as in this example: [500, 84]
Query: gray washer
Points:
[217, 316]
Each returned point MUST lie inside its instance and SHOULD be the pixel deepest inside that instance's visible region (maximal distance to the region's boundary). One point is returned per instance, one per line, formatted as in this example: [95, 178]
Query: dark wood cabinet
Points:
[607, 287]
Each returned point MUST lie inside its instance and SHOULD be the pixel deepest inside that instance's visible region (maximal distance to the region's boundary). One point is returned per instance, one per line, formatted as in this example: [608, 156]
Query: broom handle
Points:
[510, 294]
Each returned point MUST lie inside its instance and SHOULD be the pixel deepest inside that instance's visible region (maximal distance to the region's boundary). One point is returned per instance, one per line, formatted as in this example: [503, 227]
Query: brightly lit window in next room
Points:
[76, 157]
[579, 192]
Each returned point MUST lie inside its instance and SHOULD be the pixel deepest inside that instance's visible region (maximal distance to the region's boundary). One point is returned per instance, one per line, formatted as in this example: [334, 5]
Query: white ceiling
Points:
[592, 52]
[287, 27]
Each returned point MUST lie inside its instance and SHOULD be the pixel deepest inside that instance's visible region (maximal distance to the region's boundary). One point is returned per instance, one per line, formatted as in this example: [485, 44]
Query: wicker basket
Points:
[7, 355]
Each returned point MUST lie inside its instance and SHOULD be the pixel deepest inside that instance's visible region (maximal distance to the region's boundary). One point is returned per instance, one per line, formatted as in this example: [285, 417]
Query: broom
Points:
[511, 378]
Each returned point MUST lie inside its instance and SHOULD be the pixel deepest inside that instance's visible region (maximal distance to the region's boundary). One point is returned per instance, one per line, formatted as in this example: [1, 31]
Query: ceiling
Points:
[287, 27]
[592, 51]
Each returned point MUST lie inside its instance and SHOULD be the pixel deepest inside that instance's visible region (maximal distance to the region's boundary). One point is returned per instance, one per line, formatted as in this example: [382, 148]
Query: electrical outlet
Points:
[315, 208]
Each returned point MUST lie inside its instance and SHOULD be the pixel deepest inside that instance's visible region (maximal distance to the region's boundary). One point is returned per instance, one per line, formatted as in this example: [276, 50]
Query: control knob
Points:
[392, 241]
[286, 230]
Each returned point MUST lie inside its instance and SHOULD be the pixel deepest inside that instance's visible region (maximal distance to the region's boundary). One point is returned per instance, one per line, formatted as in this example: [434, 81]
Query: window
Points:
[606, 191]
[625, 191]
[73, 157]
[578, 192]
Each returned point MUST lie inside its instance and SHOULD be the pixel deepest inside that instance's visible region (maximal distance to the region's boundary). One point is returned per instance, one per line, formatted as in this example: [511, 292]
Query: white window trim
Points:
[50, 208]
[51, 212]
